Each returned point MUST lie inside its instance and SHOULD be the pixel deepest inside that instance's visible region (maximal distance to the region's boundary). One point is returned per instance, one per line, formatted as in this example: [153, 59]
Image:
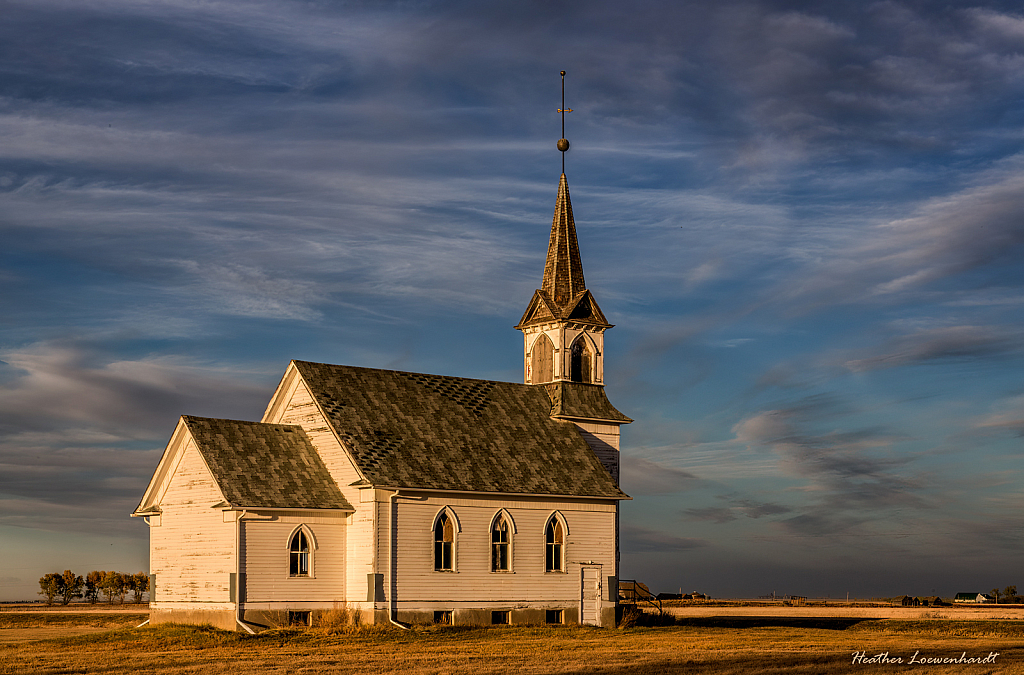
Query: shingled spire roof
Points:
[563, 269]
[563, 292]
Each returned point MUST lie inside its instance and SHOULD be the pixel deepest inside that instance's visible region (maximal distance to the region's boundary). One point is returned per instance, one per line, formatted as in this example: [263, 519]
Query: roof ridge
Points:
[410, 373]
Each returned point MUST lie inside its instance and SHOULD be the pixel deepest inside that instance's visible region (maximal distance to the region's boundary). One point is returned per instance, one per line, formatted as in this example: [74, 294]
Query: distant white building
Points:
[973, 598]
[403, 496]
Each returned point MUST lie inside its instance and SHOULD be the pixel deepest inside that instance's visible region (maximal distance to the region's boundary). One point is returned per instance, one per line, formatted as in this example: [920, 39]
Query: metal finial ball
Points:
[563, 144]
[563, 73]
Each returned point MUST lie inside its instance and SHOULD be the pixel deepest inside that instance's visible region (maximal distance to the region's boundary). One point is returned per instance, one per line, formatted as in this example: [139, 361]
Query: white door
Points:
[590, 596]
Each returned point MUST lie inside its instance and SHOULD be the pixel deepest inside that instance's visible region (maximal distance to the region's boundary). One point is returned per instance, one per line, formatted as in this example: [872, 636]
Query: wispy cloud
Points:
[851, 476]
[646, 477]
[645, 540]
[951, 343]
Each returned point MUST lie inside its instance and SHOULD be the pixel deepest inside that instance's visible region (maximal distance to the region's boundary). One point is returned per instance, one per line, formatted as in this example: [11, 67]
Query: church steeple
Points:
[563, 269]
[563, 336]
[563, 327]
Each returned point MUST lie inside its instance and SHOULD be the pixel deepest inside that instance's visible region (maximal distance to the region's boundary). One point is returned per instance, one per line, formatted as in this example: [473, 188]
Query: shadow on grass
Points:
[822, 623]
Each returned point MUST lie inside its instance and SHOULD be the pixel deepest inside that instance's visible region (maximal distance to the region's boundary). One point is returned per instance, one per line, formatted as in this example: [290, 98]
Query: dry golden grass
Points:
[91, 620]
[696, 647]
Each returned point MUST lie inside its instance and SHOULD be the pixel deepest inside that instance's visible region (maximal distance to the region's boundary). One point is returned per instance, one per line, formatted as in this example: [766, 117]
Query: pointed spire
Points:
[563, 269]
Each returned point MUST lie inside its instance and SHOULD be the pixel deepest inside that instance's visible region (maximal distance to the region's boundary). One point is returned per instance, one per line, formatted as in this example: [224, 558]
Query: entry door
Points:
[590, 595]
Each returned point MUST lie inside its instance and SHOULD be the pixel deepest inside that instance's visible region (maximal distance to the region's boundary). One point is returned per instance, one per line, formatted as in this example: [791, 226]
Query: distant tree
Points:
[52, 585]
[1011, 593]
[105, 584]
[115, 585]
[93, 580]
[995, 593]
[139, 585]
[71, 587]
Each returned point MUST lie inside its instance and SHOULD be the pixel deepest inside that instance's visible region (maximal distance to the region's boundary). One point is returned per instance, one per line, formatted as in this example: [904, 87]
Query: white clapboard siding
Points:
[302, 410]
[265, 560]
[591, 539]
[361, 551]
[192, 552]
[603, 439]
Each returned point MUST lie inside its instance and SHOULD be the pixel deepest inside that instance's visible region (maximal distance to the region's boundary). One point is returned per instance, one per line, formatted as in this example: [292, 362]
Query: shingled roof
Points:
[563, 269]
[579, 400]
[563, 291]
[261, 465]
[451, 433]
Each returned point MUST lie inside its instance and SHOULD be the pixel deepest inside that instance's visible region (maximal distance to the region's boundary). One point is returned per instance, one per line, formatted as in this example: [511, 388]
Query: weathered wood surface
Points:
[591, 538]
[192, 552]
[265, 559]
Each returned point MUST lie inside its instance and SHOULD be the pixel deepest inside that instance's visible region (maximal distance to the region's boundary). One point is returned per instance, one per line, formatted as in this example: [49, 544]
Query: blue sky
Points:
[804, 218]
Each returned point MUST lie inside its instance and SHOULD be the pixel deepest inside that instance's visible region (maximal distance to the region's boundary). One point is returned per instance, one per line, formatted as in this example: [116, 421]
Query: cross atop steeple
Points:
[563, 142]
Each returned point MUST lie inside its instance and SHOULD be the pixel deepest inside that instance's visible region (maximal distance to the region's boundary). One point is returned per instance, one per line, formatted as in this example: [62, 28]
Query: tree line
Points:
[68, 586]
[1009, 594]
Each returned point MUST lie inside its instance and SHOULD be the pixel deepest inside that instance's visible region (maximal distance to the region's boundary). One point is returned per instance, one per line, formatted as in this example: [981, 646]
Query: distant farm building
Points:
[973, 598]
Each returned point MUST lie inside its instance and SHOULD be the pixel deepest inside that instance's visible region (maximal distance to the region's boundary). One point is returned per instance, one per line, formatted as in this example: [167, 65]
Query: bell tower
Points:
[563, 335]
[563, 328]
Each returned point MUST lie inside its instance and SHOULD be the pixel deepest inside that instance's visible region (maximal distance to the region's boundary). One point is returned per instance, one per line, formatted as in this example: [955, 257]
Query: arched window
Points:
[542, 361]
[555, 537]
[500, 545]
[299, 555]
[580, 361]
[444, 543]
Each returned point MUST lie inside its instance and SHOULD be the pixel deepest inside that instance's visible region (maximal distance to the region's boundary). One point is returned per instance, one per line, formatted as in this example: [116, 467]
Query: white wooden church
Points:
[406, 497]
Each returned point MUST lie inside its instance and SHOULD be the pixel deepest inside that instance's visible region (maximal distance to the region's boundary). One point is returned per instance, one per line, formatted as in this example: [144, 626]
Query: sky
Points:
[804, 218]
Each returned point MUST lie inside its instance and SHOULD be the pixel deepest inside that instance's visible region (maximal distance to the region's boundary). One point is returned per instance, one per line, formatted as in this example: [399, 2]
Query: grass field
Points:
[698, 646]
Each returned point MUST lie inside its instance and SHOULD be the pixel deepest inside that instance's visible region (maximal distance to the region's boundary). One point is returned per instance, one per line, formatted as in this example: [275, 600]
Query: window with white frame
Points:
[500, 545]
[555, 543]
[298, 554]
[444, 543]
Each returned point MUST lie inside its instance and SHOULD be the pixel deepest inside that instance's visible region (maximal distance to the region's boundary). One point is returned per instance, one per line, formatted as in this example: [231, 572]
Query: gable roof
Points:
[261, 465]
[452, 433]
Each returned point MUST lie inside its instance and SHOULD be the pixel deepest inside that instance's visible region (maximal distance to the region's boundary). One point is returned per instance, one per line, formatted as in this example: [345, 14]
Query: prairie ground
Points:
[693, 645]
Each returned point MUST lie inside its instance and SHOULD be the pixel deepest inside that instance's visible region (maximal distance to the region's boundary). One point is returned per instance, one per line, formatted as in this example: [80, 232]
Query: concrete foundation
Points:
[220, 618]
[482, 617]
[263, 619]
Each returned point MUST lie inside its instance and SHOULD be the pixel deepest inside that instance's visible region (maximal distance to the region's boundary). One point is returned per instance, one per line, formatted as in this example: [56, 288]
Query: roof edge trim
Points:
[542, 495]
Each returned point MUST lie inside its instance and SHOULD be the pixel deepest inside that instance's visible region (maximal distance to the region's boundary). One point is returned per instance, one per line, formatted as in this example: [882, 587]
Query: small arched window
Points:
[444, 543]
[542, 361]
[299, 555]
[555, 537]
[500, 545]
[580, 361]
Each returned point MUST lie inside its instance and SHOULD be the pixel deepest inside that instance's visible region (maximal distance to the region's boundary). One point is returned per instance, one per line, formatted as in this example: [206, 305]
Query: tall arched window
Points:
[299, 555]
[555, 537]
[500, 545]
[542, 361]
[444, 543]
[580, 361]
